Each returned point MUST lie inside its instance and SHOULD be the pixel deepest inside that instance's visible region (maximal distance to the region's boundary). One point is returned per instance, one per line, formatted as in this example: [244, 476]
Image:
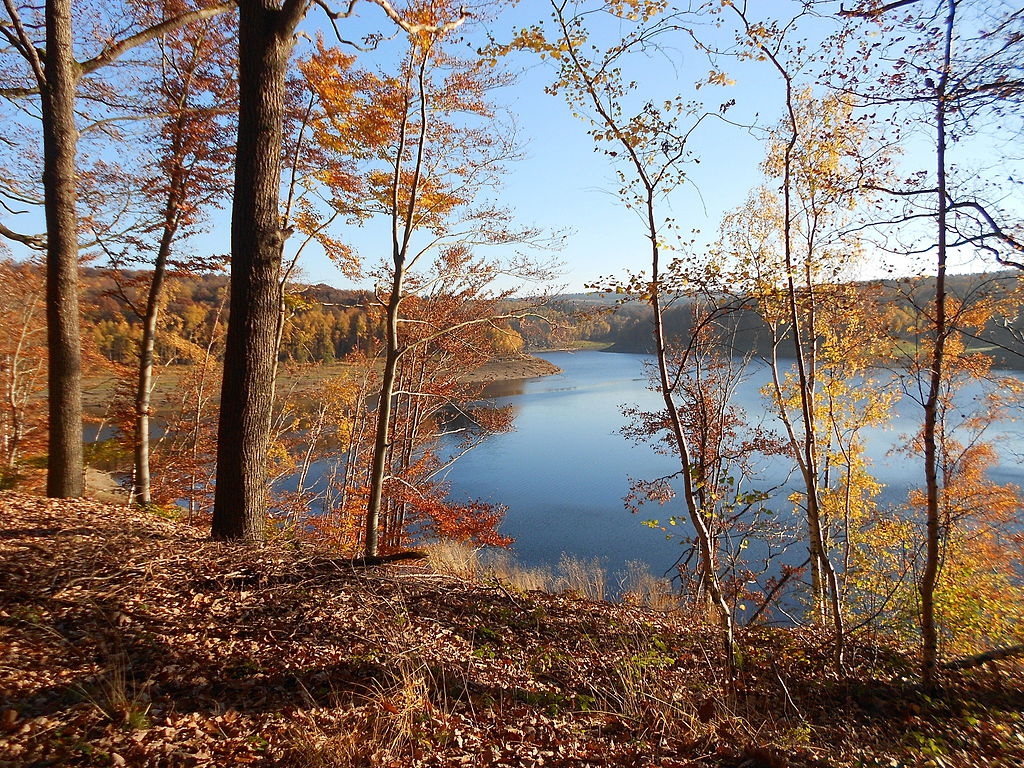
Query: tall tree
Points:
[647, 141]
[428, 147]
[806, 167]
[60, 136]
[266, 36]
[266, 39]
[947, 65]
[194, 80]
[56, 74]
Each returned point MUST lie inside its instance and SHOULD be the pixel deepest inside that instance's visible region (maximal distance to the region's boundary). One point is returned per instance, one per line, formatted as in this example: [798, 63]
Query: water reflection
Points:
[564, 471]
[511, 388]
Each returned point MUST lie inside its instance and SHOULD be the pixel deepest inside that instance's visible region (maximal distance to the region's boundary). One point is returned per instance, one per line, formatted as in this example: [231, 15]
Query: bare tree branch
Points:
[875, 12]
[21, 40]
[35, 242]
[111, 52]
[115, 51]
[396, 17]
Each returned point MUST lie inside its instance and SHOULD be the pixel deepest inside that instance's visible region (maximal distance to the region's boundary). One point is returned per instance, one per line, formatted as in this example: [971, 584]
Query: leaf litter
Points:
[130, 639]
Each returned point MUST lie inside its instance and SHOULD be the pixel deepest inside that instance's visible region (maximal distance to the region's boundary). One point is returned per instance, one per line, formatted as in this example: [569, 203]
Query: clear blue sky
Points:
[563, 184]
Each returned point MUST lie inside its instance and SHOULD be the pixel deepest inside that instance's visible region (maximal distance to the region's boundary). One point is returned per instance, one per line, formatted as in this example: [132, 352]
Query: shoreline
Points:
[104, 487]
[510, 369]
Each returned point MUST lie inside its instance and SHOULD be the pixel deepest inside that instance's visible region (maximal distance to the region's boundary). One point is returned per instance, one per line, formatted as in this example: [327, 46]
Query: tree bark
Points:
[266, 39]
[144, 385]
[384, 406]
[65, 472]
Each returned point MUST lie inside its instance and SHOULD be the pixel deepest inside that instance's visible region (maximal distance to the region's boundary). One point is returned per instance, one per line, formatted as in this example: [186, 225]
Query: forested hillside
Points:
[325, 324]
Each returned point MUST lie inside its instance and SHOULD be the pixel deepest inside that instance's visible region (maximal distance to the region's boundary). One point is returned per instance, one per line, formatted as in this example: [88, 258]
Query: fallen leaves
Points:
[126, 639]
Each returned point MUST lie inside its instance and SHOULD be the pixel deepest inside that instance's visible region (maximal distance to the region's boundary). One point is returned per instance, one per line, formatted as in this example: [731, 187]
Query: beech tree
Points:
[267, 35]
[646, 141]
[420, 148]
[194, 81]
[180, 169]
[55, 75]
[434, 418]
[806, 168]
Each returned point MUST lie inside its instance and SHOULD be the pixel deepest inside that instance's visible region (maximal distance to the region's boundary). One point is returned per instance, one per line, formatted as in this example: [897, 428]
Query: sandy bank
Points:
[509, 368]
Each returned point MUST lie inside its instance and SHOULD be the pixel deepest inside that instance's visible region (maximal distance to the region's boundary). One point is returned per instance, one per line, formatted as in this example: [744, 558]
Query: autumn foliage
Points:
[275, 409]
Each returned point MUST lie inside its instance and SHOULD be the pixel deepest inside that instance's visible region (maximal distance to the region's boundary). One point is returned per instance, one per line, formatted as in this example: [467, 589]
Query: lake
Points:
[564, 471]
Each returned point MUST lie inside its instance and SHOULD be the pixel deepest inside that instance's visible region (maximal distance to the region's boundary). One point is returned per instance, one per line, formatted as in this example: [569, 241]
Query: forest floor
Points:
[130, 639]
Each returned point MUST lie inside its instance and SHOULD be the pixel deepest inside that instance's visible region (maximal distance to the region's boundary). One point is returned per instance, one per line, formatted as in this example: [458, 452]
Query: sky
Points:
[563, 185]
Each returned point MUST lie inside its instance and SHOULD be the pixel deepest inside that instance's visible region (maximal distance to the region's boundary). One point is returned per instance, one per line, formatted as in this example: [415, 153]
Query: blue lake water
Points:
[564, 471]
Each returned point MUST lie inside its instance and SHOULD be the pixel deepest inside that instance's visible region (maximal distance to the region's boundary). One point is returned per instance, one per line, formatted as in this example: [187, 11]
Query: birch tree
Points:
[948, 67]
[646, 141]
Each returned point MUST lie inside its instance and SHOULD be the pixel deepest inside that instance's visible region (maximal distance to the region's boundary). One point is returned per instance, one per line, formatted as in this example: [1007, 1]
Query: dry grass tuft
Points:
[587, 579]
[584, 578]
[638, 586]
[116, 694]
[454, 558]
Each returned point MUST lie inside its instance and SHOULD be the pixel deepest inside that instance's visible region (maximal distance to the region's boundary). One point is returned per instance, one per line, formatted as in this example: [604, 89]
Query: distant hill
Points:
[326, 323]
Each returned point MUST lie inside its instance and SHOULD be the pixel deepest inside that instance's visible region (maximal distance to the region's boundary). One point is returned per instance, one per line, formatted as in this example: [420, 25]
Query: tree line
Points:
[326, 324]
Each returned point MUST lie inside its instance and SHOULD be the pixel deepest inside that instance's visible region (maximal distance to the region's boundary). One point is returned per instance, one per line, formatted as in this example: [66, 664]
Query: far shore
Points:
[105, 486]
[98, 392]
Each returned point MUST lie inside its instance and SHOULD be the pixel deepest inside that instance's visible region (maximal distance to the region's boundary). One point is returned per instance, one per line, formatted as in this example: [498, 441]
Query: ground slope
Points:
[129, 639]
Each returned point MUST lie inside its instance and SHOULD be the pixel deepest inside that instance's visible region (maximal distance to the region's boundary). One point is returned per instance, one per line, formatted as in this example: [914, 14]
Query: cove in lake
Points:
[564, 471]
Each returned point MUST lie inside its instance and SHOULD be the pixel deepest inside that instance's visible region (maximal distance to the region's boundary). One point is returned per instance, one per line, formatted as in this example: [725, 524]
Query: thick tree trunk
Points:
[65, 474]
[257, 241]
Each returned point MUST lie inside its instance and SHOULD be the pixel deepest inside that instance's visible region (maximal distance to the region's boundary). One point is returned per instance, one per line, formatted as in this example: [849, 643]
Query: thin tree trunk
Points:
[707, 566]
[65, 472]
[705, 541]
[933, 528]
[197, 414]
[144, 388]
[401, 232]
[384, 406]
[16, 391]
[824, 582]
